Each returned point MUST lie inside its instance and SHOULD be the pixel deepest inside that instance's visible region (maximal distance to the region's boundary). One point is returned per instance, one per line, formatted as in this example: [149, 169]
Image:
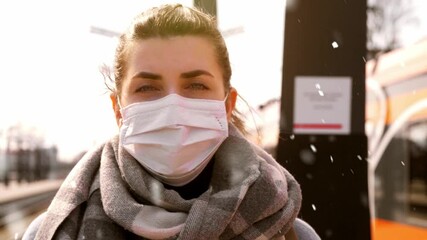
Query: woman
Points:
[180, 167]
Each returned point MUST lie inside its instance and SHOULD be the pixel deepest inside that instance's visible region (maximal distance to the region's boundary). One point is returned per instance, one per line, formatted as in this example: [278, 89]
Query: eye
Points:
[198, 86]
[147, 88]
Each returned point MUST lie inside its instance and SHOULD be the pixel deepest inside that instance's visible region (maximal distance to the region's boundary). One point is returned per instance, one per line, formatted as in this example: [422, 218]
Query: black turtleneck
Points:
[196, 187]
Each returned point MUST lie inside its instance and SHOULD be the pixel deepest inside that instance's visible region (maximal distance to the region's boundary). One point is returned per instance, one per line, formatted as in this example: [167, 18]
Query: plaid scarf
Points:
[109, 195]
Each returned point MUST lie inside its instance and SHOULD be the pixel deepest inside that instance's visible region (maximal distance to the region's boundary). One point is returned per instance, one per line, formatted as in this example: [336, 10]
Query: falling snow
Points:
[307, 157]
[313, 148]
[335, 44]
[99, 234]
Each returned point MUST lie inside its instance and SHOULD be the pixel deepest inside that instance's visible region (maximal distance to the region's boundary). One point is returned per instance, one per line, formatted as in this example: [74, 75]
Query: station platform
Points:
[15, 190]
[21, 202]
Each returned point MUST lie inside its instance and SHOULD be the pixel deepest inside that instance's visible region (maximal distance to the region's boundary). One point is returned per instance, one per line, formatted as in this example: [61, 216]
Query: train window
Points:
[391, 180]
[417, 188]
[396, 127]
[401, 177]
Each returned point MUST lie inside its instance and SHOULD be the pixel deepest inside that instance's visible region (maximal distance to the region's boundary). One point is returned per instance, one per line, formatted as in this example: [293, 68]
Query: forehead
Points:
[180, 52]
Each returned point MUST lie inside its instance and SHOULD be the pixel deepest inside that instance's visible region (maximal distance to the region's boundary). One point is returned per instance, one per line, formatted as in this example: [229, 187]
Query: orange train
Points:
[396, 126]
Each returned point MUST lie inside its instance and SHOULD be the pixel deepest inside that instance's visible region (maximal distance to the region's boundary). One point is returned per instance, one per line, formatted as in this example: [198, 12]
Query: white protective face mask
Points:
[174, 137]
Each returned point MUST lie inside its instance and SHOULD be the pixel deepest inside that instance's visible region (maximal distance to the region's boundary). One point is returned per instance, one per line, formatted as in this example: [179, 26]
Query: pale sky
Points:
[49, 62]
[49, 59]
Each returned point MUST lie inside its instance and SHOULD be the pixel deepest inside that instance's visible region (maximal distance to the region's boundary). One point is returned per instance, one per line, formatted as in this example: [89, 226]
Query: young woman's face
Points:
[184, 65]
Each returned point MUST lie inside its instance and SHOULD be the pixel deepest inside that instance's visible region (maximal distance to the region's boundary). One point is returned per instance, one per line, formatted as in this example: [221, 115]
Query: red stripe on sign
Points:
[318, 125]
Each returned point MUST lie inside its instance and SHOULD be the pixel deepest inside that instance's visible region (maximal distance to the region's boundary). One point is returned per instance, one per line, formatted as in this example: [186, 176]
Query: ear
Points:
[230, 103]
[116, 108]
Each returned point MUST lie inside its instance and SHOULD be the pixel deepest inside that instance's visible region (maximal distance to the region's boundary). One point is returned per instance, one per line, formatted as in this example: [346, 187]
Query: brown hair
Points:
[171, 20]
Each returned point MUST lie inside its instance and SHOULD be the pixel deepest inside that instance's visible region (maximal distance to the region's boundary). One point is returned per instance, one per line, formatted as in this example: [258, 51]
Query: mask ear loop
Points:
[227, 93]
[118, 101]
[226, 97]
[120, 109]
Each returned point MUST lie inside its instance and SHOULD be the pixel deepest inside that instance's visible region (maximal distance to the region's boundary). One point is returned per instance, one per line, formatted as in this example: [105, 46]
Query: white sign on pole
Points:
[322, 105]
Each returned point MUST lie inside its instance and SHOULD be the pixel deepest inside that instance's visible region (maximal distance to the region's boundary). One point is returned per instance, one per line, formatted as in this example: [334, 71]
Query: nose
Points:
[174, 90]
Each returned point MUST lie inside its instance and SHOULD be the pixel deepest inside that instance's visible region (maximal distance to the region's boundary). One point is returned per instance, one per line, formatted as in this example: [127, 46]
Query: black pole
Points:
[325, 42]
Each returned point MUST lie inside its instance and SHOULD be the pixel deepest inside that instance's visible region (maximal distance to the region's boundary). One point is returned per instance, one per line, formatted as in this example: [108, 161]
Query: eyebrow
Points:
[196, 73]
[190, 74]
[147, 75]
